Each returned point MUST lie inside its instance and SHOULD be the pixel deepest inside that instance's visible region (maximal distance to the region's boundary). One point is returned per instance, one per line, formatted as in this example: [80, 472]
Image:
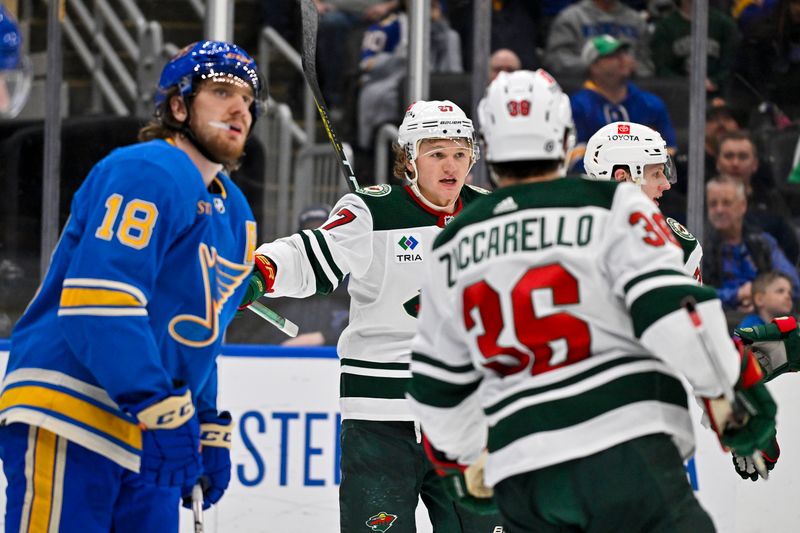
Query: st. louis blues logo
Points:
[221, 277]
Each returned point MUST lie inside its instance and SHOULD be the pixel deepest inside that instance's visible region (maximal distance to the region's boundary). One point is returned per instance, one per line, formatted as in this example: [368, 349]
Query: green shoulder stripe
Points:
[393, 208]
[560, 193]
[657, 303]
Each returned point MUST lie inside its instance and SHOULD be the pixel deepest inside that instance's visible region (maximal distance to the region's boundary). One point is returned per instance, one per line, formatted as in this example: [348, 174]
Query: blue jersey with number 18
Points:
[146, 276]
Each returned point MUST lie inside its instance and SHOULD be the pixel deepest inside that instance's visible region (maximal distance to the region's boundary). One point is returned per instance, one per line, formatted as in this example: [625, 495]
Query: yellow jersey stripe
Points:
[79, 410]
[79, 297]
[43, 470]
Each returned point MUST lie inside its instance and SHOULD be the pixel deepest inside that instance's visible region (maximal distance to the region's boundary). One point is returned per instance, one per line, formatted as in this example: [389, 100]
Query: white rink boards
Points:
[285, 451]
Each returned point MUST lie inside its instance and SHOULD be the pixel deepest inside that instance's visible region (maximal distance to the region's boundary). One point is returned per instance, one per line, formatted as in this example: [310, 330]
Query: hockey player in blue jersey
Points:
[111, 382]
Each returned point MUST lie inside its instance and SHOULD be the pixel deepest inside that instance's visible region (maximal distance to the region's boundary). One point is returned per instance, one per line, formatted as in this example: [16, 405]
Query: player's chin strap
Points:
[415, 187]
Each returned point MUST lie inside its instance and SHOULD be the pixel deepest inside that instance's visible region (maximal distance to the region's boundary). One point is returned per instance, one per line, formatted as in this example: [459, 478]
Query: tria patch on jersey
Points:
[381, 521]
[376, 190]
[407, 247]
[680, 230]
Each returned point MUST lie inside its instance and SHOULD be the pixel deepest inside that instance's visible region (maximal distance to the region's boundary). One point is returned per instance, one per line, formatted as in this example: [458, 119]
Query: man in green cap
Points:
[609, 96]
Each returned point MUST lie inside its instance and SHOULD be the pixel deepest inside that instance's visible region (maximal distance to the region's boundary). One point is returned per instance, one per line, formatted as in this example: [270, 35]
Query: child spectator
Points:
[772, 297]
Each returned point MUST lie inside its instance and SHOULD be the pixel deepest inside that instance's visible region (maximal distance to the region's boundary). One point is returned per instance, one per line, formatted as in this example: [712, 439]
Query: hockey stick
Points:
[283, 324]
[310, 21]
[197, 508]
[740, 407]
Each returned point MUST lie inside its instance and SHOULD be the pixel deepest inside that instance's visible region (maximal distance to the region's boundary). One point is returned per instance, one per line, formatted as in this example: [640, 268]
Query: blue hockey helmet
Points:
[209, 60]
[10, 41]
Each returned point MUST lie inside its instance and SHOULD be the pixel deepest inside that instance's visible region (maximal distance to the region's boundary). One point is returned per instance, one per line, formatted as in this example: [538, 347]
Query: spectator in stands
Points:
[15, 70]
[772, 297]
[769, 60]
[671, 46]
[338, 20]
[515, 25]
[738, 159]
[384, 64]
[609, 96]
[748, 12]
[321, 319]
[719, 121]
[735, 251]
[588, 19]
[503, 60]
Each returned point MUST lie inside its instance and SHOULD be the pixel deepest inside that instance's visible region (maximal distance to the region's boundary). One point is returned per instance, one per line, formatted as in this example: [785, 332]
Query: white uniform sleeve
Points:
[316, 261]
[644, 265]
[444, 386]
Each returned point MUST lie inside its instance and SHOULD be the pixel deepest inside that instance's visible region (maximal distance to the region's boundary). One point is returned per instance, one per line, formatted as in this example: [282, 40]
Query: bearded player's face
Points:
[221, 119]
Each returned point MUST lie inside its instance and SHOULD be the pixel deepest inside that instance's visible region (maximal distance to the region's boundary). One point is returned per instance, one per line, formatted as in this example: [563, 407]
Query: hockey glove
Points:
[215, 439]
[749, 424]
[746, 469]
[170, 438]
[260, 281]
[463, 483]
[775, 345]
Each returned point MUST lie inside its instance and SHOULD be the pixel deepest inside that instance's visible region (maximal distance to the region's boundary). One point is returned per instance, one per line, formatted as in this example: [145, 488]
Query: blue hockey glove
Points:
[215, 438]
[776, 345]
[464, 483]
[170, 438]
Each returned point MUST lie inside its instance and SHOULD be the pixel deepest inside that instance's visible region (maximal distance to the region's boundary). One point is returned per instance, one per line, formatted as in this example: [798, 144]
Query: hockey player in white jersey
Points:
[380, 237]
[551, 333]
[627, 151]
[631, 152]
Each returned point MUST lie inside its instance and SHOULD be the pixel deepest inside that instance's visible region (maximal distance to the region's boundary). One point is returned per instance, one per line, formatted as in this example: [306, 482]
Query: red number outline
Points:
[345, 217]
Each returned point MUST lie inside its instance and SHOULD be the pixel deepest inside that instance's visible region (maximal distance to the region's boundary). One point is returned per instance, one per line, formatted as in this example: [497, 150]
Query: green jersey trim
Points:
[324, 285]
[568, 412]
[566, 382]
[357, 386]
[418, 357]
[326, 251]
[560, 193]
[346, 361]
[658, 303]
[655, 273]
[437, 393]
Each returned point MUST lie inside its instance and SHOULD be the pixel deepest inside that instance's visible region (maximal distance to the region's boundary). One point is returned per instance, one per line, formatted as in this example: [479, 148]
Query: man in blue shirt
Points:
[736, 252]
[608, 96]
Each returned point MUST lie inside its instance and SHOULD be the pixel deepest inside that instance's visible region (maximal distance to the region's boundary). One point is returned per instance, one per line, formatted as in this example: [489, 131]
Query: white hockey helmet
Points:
[525, 116]
[626, 144]
[434, 119]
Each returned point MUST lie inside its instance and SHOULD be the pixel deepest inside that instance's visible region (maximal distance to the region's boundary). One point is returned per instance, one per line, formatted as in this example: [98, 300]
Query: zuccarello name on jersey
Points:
[526, 234]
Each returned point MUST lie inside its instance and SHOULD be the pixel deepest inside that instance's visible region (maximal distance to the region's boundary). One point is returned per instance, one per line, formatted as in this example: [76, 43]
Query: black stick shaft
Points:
[310, 20]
